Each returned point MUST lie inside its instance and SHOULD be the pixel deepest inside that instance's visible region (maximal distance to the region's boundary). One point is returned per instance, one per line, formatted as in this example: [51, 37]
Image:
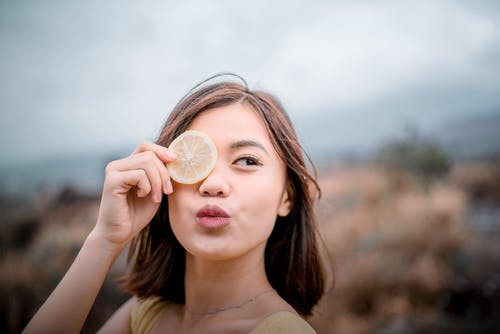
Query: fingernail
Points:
[170, 154]
[168, 187]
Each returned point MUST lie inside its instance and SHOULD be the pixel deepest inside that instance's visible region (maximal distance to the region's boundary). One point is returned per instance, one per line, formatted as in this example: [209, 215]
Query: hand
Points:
[132, 192]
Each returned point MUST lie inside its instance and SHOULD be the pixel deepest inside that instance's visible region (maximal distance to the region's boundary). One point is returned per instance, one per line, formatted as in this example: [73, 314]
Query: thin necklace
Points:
[222, 309]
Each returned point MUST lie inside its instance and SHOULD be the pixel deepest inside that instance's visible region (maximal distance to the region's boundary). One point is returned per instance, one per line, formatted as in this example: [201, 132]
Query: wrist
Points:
[106, 247]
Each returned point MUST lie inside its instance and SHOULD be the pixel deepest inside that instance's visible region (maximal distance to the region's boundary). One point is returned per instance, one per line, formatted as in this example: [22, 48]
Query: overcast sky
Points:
[80, 76]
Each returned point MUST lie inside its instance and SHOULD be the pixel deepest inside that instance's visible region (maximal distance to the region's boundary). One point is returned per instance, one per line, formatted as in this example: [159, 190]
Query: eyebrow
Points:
[248, 143]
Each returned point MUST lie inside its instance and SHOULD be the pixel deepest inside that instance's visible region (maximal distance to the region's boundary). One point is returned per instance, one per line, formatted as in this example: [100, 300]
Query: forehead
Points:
[235, 122]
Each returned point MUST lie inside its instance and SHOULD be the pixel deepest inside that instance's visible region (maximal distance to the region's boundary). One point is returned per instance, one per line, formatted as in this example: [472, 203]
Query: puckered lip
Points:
[212, 218]
[212, 211]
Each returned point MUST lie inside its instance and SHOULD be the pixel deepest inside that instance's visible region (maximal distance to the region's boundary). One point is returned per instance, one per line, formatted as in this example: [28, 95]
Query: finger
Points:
[166, 185]
[163, 153]
[169, 156]
[129, 179]
[152, 166]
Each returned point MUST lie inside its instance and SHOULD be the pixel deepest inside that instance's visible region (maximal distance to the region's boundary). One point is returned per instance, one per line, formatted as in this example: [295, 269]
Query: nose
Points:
[216, 184]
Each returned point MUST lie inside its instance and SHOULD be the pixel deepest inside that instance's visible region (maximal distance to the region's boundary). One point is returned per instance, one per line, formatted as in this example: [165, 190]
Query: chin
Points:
[215, 254]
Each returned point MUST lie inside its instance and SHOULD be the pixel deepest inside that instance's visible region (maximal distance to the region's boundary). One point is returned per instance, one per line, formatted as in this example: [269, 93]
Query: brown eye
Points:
[248, 161]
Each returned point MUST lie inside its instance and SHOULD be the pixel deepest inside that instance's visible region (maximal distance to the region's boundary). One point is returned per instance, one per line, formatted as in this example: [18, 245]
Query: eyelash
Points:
[253, 161]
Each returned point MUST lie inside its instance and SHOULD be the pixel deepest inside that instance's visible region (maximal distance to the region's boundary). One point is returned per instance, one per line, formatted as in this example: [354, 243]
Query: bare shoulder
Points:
[120, 320]
[283, 322]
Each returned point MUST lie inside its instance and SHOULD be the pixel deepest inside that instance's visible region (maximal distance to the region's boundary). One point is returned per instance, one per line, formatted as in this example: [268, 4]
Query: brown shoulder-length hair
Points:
[292, 255]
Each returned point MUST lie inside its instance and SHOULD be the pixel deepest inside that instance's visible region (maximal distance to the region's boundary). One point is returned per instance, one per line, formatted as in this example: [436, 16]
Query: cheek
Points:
[176, 209]
[263, 197]
[179, 220]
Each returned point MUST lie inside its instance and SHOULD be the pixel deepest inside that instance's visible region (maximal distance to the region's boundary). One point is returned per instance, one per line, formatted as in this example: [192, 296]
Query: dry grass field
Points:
[407, 254]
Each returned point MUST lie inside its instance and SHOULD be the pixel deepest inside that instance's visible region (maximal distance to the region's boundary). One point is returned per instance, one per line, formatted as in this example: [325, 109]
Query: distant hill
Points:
[329, 137]
[473, 137]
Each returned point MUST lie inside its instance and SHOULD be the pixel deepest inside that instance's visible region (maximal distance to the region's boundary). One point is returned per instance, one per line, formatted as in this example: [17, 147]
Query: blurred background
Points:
[397, 103]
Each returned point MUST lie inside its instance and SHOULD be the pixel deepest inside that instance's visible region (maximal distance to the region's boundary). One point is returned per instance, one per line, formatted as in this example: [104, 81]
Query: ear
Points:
[286, 202]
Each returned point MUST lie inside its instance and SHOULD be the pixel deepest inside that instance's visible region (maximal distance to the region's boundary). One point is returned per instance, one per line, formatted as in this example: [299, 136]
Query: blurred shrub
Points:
[401, 251]
[479, 179]
[414, 154]
[397, 249]
[37, 249]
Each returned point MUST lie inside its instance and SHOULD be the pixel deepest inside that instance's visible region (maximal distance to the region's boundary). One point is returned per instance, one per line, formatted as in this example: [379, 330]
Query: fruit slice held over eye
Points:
[196, 157]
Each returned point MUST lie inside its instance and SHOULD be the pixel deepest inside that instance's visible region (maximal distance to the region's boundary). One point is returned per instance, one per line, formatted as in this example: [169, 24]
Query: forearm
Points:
[67, 307]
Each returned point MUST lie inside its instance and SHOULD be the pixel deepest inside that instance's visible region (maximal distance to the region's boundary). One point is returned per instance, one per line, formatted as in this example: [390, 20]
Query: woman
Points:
[257, 269]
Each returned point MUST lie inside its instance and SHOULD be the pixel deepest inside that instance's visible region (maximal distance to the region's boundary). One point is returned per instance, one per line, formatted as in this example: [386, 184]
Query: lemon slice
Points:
[196, 157]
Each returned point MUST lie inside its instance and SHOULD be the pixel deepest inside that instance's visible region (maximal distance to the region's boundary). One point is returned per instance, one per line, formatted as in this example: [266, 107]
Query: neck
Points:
[215, 285]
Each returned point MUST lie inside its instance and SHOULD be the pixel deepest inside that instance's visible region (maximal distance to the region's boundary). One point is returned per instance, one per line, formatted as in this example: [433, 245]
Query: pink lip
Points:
[212, 217]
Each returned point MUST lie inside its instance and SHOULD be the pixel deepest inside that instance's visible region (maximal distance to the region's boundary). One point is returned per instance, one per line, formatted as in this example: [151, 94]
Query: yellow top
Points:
[147, 310]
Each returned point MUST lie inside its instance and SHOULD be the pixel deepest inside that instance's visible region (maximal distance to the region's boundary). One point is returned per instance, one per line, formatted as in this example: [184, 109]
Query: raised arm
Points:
[132, 191]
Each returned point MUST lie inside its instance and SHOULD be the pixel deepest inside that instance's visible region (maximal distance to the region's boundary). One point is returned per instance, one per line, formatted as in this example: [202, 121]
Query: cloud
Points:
[358, 53]
[95, 74]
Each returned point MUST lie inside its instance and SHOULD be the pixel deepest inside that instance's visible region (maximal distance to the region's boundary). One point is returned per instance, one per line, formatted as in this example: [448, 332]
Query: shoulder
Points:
[283, 322]
[119, 322]
[144, 313]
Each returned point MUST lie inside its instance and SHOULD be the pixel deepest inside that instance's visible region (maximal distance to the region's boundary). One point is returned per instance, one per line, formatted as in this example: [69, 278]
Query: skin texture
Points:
[247, 165]
[224, 266]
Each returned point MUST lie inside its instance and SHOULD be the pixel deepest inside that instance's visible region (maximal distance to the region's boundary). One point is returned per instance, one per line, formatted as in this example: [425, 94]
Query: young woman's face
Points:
[232, 211]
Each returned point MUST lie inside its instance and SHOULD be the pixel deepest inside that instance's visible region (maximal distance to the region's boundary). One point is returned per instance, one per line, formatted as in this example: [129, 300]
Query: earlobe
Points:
[285, 209]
